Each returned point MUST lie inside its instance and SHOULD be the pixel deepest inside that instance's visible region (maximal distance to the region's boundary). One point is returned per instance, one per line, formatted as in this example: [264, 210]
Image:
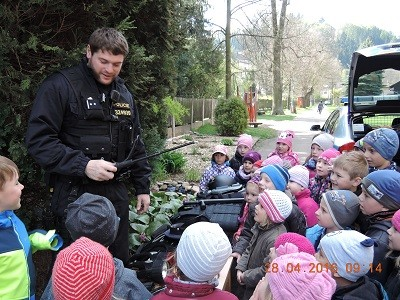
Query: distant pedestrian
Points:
[320, 107]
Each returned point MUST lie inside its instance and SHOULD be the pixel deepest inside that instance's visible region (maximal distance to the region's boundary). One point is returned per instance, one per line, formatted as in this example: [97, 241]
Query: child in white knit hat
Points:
[298, 186]
[202, 252]
[319, 144]
[273, 208]
[349, 254]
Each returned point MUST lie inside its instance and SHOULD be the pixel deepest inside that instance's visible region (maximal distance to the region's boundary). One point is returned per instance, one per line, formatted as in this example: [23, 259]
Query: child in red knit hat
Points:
[83, 270]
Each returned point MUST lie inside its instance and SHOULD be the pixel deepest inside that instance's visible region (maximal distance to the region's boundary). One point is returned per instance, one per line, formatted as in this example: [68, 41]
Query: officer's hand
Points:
[143, 203]
[100, 170]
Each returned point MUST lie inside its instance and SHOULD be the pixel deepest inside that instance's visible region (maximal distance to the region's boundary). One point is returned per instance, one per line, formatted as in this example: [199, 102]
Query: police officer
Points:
[83, 120]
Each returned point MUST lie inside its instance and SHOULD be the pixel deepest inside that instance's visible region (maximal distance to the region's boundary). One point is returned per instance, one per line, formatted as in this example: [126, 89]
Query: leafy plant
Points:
[194, 151]
[192, 175]
[227, 142]
[163, 206]
[175, 109]
[173, 161]
[231, 117]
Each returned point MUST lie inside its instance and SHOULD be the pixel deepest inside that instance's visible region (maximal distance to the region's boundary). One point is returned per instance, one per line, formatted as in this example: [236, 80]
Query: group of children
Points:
[328, 229]
[349, 208]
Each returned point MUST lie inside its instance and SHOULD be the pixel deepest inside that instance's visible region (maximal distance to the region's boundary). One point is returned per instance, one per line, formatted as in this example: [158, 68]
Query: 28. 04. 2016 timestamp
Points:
[319, 267]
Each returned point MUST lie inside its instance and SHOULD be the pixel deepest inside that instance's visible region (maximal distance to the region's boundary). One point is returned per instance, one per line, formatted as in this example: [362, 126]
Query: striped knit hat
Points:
[277, 205]
[83, 270]
[202, 251]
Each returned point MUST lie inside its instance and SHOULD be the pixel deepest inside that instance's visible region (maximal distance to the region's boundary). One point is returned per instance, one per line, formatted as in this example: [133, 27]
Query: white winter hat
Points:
[324, 140]
[202, 251]
[299, 174]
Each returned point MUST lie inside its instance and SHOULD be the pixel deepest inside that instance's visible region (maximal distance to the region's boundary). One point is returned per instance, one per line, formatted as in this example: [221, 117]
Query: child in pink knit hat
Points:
[219, 166]
[321, 182]
[392, 283]
[273, 208]
[284, 148]
[293, 277]
[244, 144]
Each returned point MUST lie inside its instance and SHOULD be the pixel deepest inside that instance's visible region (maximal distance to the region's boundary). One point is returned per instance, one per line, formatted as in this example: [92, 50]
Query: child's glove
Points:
[42, 240]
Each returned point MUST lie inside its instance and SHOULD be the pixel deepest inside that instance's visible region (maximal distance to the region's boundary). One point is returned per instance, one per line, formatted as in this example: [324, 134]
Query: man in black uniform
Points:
[83, 120]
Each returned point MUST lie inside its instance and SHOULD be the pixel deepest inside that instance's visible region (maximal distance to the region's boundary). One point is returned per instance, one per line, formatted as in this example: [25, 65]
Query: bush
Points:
[173, 162]
[231, 117]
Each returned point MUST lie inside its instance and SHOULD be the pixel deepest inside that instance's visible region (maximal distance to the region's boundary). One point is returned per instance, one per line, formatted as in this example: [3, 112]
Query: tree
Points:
[199, 72]
[278, 27]
[42, 36]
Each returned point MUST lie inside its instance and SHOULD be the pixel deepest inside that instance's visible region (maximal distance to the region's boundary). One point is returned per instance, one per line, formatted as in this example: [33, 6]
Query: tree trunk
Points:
[228, 57]
[278, 29]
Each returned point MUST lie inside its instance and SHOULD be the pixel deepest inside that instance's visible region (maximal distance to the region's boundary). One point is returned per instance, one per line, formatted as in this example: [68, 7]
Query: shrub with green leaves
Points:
[173, 162]
[227, 142]
[163, 206]
[231, 117]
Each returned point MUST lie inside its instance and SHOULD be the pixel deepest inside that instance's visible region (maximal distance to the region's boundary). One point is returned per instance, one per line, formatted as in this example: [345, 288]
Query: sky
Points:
[384, 14]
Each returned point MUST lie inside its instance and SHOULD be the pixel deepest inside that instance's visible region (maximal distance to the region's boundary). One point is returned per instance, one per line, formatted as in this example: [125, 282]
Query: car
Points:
[373, 99]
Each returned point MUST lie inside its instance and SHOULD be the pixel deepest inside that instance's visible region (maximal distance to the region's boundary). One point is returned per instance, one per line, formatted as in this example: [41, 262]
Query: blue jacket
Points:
[17, 272]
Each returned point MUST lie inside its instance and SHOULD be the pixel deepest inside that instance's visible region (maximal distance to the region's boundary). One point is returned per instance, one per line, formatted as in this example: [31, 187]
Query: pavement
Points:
[301, 125]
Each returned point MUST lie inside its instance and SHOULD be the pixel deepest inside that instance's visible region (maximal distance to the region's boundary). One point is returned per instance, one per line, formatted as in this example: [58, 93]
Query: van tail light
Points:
[347, 147]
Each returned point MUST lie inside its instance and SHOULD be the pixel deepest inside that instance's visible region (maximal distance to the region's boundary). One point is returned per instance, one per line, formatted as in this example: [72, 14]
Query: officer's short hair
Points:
[108, 39]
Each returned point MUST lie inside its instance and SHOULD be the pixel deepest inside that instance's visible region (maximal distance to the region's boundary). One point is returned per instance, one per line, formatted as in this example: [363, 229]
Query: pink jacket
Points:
[308, 206]
[291, 157]
[176, 289]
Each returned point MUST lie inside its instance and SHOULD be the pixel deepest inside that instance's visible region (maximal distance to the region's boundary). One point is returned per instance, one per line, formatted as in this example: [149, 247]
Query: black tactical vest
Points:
[95, 123]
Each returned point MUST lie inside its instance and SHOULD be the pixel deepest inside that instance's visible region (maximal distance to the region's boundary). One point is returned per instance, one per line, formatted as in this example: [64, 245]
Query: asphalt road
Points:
[301, 125]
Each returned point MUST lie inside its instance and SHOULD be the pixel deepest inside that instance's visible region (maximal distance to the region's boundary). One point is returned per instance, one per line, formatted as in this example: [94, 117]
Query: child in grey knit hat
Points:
[338, 210]
[94, 217]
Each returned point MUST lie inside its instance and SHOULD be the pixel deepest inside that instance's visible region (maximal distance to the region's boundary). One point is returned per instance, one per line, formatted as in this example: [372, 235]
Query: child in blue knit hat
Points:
[379, 201]
[380, 146]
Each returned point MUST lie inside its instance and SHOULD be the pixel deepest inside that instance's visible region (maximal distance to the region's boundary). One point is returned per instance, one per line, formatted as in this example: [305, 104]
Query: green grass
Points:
[260, 132]
[207, 129]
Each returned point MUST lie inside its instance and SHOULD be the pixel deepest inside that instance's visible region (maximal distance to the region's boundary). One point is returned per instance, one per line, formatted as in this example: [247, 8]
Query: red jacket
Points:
[188, 290]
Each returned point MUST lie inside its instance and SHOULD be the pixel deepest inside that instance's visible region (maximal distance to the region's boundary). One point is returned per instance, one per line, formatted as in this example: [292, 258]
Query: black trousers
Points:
[115, 191]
